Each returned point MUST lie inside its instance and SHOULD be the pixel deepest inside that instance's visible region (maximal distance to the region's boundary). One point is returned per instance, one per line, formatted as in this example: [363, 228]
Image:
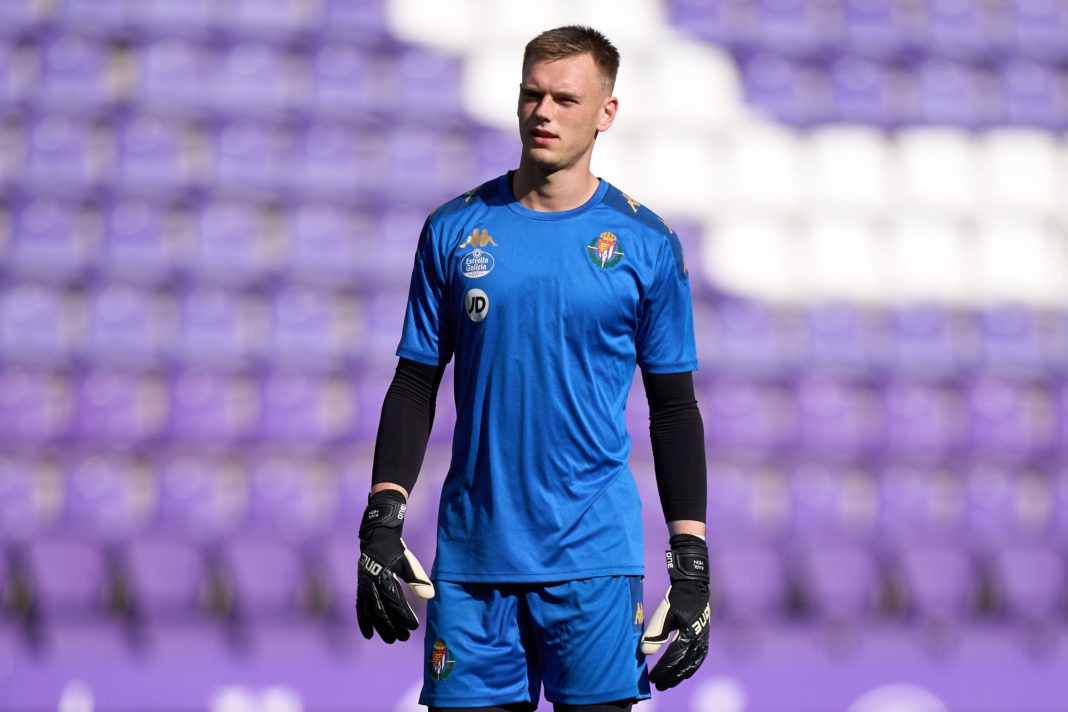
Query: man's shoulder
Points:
[481, 196]
[637, 211]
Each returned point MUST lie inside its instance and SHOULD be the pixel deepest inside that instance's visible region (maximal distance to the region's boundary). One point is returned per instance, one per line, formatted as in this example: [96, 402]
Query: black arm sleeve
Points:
[404, 428]
[678, 441]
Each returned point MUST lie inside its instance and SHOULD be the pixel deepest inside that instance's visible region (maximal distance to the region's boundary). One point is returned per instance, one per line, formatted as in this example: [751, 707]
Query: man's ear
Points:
[608, 113]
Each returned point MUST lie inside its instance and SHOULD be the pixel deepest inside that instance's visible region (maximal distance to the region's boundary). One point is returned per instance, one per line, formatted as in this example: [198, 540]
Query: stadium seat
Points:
[951, 93]
[730, 23]
[321, 243]
[49, 240]
[1032, 95]
[116, 408]
[935, 168]
[35, 407]
[284, 499]
[880, 28]
[751, 336]
[841, 583]
[431, 162]
[138, 245]
[198, 498]
[68, 577]
[749, 584]
[866, 92]
[229, 245]
[1009, 421]
[831, 505]
[748, 416]
[355, 18]
[928, 340]
[787, 91]
[330, 162]
[165, 18]
[940, 583]
[168, 579]
[844, 339]
[798, 28]
[74, 74]
[208, 408]
[838, 419]
[958, 28]
[1011, 341]
[215, 328]
[59, 155]
[279, 596]
[251, 80]
[169, 71]
[341, 79]
[920, 506]
[298, 408]
[1039, 29]
[423, 82]
[152, 157]
[100, 497]
[125, 327]
[922, 421]
[311, 328]
[1031, 581]
[246, 158]
[746, 502]
[266, 19]
[18, 17]
[36, 325]
[21, 513]
[100, 18]
[1020, 172]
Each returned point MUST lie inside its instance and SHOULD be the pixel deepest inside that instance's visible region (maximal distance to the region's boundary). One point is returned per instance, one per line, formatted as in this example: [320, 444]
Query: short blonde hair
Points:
[573, 40]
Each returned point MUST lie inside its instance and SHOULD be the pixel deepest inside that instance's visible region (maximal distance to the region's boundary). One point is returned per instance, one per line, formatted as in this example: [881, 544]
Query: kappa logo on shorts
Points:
[441, 661]
[605, 250]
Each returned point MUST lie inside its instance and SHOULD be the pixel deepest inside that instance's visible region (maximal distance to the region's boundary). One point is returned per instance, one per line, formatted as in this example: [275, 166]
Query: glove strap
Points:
[385, 509]
[687, 559]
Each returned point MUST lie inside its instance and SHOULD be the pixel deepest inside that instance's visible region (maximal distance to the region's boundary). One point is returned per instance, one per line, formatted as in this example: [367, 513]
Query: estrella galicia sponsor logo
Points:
[605, 250]
[441, 661]
[476, 305]
[476, 263]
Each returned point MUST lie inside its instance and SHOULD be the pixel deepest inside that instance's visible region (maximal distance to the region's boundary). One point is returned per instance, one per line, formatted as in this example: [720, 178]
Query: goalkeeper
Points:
[544, 287]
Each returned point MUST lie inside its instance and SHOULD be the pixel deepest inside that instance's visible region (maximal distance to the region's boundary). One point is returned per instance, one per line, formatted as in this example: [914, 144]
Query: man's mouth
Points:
[542, 136]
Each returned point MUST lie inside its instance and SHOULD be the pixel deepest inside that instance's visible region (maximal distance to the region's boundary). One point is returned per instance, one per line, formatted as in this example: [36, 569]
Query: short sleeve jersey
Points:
[545, 315]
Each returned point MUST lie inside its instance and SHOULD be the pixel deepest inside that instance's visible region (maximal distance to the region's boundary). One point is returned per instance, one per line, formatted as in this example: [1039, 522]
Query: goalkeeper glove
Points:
[380, 603]
[685, 610]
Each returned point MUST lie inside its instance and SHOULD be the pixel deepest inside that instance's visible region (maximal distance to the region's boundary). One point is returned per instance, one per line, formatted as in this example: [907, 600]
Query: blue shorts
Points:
[496, 644]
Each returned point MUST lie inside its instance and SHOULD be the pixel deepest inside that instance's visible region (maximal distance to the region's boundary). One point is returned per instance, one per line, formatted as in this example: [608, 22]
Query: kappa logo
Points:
[605, 250]
[477, 239]
[441, 661]
[639, 614]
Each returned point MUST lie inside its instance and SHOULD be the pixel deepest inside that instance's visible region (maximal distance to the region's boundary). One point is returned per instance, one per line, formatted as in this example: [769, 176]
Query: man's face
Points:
[563, 103]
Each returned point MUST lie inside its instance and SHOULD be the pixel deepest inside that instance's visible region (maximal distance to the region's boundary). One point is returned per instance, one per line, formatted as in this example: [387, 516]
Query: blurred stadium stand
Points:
[207, 215]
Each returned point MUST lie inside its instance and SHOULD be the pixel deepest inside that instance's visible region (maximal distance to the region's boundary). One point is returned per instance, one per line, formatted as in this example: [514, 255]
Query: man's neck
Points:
[553, 192]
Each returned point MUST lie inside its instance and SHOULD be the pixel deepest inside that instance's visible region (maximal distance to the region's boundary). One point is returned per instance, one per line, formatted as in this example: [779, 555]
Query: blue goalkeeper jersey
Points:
[544, 316]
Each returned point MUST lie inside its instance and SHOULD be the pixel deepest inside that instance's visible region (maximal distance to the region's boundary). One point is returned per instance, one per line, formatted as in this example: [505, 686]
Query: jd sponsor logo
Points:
[476, 304]
[476, 263]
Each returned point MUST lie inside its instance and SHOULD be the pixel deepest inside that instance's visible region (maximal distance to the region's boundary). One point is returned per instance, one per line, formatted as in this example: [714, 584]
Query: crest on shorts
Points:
[605, 250]
[441, 661]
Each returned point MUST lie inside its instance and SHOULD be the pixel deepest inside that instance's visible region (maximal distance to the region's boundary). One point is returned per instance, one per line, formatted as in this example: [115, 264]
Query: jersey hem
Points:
[659, 368]
[423, 358]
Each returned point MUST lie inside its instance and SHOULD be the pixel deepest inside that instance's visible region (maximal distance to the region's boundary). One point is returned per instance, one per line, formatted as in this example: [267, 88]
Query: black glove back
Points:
[380, 603]
[685, 610]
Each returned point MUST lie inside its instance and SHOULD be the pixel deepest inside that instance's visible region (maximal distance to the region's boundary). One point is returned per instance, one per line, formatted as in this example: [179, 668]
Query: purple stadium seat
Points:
[1009, 420]
[310, 328]
[168, 18]
[331, 161]
[831, 505]
[124, 326]
[266, 19]
[958, 28]
[74, 74]
[749, 583]
[151, 155]
[939, 582]
[49, 240]
[1011, 341]
[337, 567]
[1006, 507]
[841, 582]
[790, 91]
[342, 81]
[251, 79]
[799, 28]
[12, 86]
[746, 503]
[748, 416]
[208, 408]
[1031, 581]
[1033, 94]
[35, 407]
[299, 408]
[1059, 502]
[36, 325]
[928, 340]
[18, 16]
[952, 93]
[68, 577]
[228, 243]
[246, 157]
[922, 420]
[390, 271]
[259, 597]
[881, 28]
[170, 70]
[197, 497]
[350, 18]
[431, 162]
[21, 514]
[424, 81]
[731, 23]
[96, 17]
[866, 91]
[1040, 29]
[920, 506]
[100, 498]
[137, 244]
[322, 243]
[842, 338]
[837, 418]
[113, 407]
[167, 577]
[752, 337]
[59, 154]
[283, 498]
[215, 328]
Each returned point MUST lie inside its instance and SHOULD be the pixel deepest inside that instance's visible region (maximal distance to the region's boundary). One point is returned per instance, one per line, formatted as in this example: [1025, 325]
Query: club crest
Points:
[605, 250]
[441, 662]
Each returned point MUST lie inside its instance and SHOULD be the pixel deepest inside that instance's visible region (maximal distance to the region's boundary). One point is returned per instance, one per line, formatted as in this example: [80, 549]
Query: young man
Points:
[547, 286]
